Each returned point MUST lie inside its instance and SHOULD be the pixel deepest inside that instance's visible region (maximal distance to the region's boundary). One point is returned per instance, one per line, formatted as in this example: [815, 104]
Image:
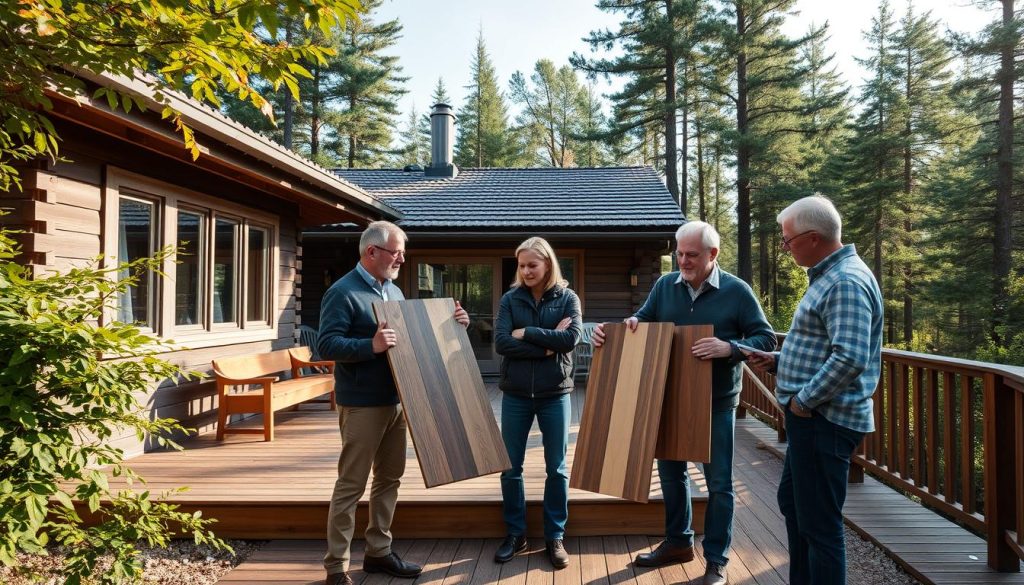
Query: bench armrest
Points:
[264, 381]
[298, 364]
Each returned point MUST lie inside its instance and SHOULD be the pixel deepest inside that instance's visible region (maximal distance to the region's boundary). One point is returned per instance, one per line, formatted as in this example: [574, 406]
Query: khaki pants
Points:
[371, 437]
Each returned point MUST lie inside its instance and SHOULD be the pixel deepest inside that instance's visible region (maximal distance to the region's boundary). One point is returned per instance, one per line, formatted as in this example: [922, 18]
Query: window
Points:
[188, 273]
[258, 272]
[225, 285]
[220, 286]
[136, 226]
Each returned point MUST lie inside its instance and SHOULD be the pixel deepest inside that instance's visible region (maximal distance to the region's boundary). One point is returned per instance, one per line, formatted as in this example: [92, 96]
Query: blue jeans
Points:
[517, 416]
[811, 496]
[675, 486]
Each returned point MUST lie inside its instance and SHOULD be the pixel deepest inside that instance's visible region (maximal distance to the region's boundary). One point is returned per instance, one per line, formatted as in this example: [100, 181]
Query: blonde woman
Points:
[537, 328]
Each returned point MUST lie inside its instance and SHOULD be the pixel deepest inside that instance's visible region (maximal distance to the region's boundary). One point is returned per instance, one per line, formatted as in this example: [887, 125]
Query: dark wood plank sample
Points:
[442, 392]
[685, 431]
[619, 428]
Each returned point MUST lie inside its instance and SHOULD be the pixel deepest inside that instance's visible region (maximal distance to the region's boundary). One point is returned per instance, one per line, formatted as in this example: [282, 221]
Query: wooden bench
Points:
[253, 384]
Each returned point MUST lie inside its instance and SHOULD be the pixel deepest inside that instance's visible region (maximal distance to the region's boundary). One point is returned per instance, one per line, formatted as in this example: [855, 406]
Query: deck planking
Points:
[282, 489]
[758, 557]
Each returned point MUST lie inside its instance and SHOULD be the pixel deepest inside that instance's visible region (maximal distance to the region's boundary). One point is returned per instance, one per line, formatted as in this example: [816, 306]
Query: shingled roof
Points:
[610, 198]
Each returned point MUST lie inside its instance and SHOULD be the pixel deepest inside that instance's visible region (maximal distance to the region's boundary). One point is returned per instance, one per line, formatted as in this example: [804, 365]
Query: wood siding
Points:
[61, 209]
[606, 294]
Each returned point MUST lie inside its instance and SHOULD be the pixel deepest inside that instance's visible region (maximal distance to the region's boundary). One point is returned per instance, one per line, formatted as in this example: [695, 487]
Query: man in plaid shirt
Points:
[828, 369]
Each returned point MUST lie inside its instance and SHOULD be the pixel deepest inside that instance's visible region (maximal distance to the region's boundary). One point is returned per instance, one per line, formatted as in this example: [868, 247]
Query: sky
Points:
[439, 38]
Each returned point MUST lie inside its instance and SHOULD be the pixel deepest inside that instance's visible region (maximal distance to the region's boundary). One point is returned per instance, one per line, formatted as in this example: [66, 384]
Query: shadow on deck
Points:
[282, 489]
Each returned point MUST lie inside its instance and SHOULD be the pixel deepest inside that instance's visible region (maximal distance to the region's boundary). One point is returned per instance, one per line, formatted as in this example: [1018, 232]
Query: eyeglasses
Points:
[676, 255]
[394, 253]
[786, 243]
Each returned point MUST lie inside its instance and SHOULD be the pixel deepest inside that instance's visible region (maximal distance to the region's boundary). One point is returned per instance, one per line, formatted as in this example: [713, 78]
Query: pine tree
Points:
[654, 36]
[872, 166]
[927, 122]
[551, 112]
[368, 89]
[415, 149]
[483, 137]
[593, 122]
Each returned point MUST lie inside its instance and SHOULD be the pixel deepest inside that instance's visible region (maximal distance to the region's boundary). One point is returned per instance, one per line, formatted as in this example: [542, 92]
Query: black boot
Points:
[510, 547]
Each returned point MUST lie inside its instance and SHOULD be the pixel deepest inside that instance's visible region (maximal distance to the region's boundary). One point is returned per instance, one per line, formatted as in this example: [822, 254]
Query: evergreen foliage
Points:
[484, 138]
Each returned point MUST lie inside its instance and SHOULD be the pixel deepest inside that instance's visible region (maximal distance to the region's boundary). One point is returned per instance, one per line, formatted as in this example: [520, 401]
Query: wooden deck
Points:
[281, 489]
[759, 551]
[929, 548]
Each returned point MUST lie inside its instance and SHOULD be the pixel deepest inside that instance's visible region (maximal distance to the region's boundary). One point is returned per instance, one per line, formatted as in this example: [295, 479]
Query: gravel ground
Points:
[179, 564]
[866, 564]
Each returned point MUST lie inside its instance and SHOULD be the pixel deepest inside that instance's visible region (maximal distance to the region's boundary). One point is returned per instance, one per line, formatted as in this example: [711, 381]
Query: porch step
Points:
[437, 519]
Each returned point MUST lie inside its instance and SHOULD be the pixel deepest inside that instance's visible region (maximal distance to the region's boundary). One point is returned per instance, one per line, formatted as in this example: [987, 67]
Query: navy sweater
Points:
[734, 312]
[347, 327]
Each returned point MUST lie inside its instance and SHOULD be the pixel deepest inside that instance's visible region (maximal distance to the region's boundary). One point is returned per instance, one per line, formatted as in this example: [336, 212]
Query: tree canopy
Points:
[195, 46]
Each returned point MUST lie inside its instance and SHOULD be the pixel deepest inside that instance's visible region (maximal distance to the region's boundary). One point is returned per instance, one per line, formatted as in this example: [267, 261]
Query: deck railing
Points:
[949, 432]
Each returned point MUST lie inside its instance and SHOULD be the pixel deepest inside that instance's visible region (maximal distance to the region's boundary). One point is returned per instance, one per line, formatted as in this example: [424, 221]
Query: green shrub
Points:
[68, 382]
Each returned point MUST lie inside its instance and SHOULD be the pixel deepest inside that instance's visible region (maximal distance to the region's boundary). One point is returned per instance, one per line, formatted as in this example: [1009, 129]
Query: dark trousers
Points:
[517, 415]
[811, 497]
[675, 485]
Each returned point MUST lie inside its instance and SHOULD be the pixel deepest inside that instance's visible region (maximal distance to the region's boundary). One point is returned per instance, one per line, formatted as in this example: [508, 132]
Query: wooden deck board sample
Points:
[685, 431]
[446, 406]
[619, 427]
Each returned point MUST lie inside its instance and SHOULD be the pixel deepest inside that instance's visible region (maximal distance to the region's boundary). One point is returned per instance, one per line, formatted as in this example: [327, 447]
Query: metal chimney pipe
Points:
[442, 142]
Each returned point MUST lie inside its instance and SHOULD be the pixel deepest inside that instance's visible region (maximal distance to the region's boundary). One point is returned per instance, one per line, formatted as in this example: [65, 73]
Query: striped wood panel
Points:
[442, 392]
[685, 431]
[619, 429]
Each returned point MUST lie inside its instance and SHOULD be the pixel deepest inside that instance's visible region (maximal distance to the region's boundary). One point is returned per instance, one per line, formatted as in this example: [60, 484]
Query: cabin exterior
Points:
[126, 186]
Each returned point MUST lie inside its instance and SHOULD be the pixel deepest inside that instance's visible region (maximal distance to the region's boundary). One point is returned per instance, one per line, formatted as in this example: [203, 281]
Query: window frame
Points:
[169, 199]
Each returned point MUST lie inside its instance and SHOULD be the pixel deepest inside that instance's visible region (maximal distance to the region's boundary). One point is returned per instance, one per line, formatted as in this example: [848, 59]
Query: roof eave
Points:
[245, 140]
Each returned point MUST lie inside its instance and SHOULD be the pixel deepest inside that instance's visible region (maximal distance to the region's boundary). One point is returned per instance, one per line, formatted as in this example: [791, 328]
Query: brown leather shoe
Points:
[338, 579]
[665, 554]
[556, 552]
[715, 575]
[392, 565]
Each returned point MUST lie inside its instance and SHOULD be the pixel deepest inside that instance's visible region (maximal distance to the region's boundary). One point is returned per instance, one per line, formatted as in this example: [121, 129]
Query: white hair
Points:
[708, 234]
[378, 233]
[815, 213]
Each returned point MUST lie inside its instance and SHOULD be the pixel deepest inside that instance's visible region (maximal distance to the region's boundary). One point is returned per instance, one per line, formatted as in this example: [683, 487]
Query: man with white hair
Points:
[369, 415]
[702, 293]
[827, 371]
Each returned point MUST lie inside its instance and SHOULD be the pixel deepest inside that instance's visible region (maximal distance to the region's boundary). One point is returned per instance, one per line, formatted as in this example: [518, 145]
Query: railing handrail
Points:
[1014, 373]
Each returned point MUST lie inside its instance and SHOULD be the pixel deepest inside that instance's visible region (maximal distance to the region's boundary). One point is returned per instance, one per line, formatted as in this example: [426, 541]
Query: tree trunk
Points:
[718, 186]
[671, 177]
[314, 116]
[702, 211]
[684, 157]
[288, 123]
[1003, 220]
[908, 193]
[744, 262]
[353, 139]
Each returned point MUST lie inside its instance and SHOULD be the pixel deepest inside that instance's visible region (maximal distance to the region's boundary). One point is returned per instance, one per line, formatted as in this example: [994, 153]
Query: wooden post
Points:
[1000, 471]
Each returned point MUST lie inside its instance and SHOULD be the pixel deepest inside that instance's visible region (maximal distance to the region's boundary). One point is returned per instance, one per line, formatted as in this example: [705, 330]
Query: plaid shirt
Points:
[832, 357]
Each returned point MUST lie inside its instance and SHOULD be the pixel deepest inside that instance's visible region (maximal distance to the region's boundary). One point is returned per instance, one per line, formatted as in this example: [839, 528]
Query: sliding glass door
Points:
[472, 281]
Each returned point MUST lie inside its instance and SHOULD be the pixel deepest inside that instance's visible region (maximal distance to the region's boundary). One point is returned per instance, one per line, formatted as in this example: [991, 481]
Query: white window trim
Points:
[169, 198]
